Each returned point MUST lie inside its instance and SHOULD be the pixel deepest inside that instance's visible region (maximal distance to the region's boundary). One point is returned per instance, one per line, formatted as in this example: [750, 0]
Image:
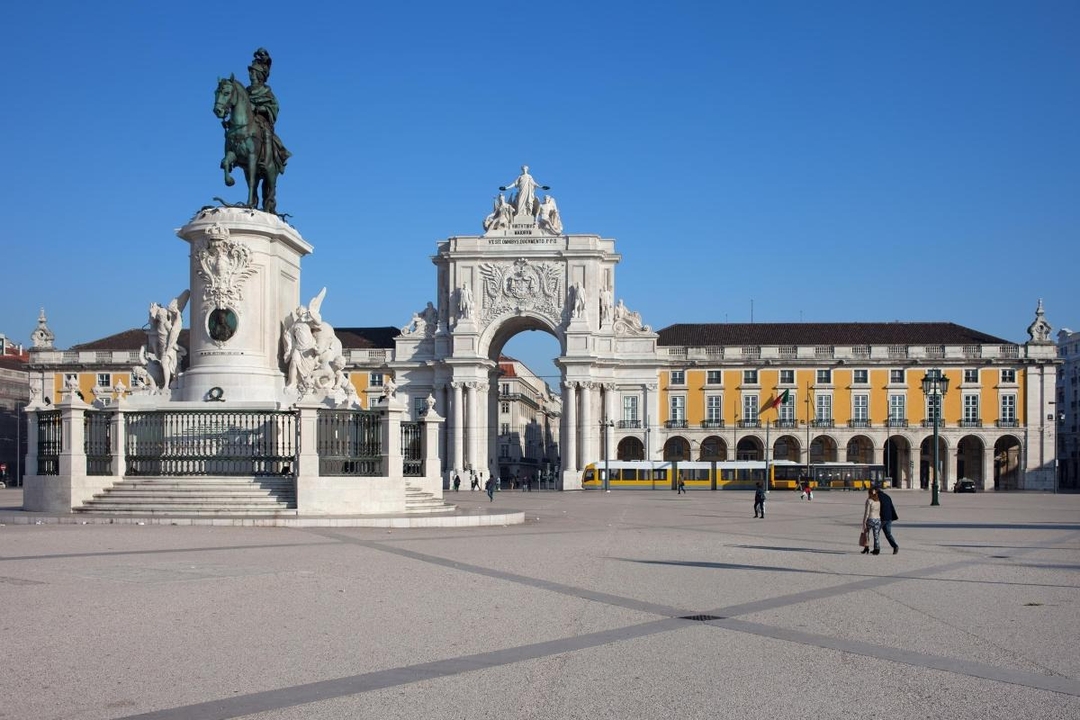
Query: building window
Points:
[824, 377]
[896, 376]
[678, 408]
[971, 408]
[375, 379]
[504, 429]
[750, 408]
[504, 408]
[504, 389]
[419, 407]
[860, 408]
[630, 408]
[714, 377]
[787, 377]
[104, 380]
[504, 451]
[714, 408]
[786, 413]
[678, 377]
[861, 377]
[823, 407]
[749, 377]
[897, 407]
[971, 376]
[1008, 408]
[1008, 376]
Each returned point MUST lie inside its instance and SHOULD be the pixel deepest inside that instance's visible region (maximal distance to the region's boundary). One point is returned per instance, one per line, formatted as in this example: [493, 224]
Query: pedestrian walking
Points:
[759, 502]
[490, 487]
[474, 484]
[681, 487]
[457, 482]
[872, 519]
[888, 515]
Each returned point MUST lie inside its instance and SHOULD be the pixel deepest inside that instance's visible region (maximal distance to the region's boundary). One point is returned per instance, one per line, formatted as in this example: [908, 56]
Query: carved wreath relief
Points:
[224, 265]
[523, 286]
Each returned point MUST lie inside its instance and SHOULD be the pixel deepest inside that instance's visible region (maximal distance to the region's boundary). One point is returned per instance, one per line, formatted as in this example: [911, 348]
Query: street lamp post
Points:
[935, 384]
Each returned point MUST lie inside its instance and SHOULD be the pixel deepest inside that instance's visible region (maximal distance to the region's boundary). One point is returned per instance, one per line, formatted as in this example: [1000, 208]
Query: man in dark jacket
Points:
[888, 514]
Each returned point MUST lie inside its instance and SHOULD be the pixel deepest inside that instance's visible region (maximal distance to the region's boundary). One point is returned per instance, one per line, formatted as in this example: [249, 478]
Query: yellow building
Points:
[853, 392]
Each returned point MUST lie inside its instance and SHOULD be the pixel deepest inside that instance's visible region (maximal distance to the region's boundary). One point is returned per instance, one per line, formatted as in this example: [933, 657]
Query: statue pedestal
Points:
[245, 279]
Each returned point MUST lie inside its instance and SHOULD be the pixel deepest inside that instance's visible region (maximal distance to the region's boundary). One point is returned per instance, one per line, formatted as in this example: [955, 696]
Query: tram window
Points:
[629, 474]
[589, 475]
[660, 475]
[700, 474]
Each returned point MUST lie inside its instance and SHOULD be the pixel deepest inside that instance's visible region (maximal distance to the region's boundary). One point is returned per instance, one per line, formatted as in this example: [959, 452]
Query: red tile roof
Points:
[886, 333]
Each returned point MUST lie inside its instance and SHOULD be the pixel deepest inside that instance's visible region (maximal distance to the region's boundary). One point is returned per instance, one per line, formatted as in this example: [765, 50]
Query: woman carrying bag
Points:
[871, 522]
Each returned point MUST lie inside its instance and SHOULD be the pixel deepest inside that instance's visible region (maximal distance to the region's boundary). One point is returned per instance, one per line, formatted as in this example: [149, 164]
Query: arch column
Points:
[586, 424]
[569, 428]
[482, 431]
[987, 468]
[457, 432]
[471, 420]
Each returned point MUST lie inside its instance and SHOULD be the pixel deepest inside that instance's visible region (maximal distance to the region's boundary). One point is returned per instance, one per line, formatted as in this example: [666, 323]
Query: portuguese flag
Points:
[775, 402]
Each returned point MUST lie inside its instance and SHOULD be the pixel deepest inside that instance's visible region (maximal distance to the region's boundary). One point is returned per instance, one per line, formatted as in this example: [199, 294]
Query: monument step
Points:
[253, 512]
[175, 497]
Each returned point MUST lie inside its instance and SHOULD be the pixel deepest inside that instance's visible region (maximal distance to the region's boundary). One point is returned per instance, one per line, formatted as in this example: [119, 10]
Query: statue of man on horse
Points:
[248, 116]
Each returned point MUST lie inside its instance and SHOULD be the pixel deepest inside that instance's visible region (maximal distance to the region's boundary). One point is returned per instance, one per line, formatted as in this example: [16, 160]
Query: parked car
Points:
[965, 486]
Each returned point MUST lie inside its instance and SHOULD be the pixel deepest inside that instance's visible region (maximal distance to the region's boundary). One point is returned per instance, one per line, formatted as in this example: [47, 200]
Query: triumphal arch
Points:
[525, 273]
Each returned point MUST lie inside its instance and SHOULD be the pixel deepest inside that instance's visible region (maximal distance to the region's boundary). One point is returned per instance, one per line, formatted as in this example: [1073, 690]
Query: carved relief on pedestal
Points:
[224, 265]
[523, 286]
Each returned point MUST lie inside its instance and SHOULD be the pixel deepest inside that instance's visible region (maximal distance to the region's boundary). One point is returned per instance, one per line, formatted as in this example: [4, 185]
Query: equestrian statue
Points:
[248, 116]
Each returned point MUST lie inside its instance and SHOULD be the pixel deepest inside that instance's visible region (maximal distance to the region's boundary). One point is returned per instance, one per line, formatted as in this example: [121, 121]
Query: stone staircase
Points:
[270, 496]
[418, 502]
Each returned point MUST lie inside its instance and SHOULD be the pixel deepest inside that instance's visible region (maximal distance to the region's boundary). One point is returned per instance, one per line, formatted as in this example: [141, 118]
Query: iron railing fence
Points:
[411, 449]
[349, 443]
[211, 442]
[50, 442]
[97, 442]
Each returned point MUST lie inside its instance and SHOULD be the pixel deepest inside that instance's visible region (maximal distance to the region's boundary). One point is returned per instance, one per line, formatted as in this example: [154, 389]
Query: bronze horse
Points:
[246, 144]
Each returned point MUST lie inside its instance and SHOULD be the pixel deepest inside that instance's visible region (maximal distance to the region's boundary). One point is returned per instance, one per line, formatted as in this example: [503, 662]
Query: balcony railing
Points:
[710, 424]
[749, 423]
[1008, 423]
[971, 423]
[629, 424]
[786, 424]
[858, 423]
[677, 424]
[896, 423]
[929, 423]
[821, 423]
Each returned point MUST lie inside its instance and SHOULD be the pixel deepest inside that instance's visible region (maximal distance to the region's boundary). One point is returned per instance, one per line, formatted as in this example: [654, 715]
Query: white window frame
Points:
[897, 407]
[933, 403]
[630, 408]
[971, 407]
[865, 377]
[677, 408]
[714, 408]
[787, 377]
[1008, 376]
[717, 374]
[108, 380]
[750, 377]
[678, 377]
[1007, 405]
[823, 407]
[750, 407]
[971, 377]
[860, 407]
[376, 379]
[824, 376]
[897, 377]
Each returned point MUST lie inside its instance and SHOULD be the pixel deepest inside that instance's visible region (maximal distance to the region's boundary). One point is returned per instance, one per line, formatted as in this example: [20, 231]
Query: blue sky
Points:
[828, 161]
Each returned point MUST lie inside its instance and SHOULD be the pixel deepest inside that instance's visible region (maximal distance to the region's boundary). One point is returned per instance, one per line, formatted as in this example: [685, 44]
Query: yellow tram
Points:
[729, 475]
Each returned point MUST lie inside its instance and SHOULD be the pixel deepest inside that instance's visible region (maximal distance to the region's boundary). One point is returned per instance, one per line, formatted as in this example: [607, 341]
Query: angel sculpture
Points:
[163, 339]
[312, 351]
